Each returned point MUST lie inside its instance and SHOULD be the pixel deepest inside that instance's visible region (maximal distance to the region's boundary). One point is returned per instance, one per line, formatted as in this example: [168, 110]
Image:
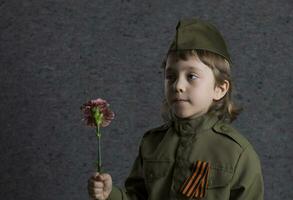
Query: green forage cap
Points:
[193, 33]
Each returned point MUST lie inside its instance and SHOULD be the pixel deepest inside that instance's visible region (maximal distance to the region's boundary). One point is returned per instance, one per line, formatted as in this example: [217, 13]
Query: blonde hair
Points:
[224, 108]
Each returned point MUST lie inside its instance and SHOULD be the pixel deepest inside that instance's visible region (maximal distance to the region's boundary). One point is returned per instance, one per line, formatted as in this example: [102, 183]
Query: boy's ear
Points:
[221, 90]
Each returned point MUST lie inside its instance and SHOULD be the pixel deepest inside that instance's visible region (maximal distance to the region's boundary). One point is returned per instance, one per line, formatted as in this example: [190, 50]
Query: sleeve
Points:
[134, 184]
[247, 181]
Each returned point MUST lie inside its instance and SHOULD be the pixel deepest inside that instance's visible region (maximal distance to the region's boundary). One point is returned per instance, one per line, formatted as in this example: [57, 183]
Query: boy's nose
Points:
[179, 85]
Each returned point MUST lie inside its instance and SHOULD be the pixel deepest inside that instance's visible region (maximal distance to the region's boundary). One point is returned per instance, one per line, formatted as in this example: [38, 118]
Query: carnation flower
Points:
[96, 114]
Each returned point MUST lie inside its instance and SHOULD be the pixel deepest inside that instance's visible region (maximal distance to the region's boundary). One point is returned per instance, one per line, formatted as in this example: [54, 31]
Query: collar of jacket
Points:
[190, 126]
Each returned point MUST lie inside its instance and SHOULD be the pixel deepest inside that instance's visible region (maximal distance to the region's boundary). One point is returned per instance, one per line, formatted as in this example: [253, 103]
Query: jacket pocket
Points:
[155, 169]
[219, 177]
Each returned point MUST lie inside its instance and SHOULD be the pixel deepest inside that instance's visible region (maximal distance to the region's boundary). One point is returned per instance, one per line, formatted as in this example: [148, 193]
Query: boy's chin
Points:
[186, 115]
[182, 115]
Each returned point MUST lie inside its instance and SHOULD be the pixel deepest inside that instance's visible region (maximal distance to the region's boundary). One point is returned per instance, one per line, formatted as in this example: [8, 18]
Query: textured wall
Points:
[55, 55]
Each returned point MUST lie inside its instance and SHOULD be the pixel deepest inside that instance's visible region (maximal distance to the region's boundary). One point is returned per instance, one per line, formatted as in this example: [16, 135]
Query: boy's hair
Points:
[224, 108]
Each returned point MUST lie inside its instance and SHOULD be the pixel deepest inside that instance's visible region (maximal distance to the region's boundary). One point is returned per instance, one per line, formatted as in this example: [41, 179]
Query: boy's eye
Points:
[192, 76]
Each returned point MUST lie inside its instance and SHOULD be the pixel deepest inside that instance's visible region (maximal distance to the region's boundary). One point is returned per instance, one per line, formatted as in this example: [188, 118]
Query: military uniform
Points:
[168, 153]
[194, 158]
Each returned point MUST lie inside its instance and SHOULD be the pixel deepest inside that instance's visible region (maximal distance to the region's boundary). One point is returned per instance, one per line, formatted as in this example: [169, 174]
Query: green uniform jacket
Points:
[166, 154]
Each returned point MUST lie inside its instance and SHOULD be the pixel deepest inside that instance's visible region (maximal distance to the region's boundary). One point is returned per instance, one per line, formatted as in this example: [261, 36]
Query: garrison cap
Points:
[193, 33]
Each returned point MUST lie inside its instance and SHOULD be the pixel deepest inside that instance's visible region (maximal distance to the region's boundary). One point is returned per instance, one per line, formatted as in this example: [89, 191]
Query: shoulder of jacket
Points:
[161, 128]
[231, 133]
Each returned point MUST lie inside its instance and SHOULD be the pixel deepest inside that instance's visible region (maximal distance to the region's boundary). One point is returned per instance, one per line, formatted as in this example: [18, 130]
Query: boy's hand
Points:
[100, 186]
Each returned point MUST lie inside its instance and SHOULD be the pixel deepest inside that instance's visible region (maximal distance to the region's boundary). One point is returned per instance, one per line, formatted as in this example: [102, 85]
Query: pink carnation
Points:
[103, 107]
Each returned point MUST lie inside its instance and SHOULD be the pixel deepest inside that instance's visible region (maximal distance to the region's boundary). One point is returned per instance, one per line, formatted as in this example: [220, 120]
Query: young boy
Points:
[197, 153]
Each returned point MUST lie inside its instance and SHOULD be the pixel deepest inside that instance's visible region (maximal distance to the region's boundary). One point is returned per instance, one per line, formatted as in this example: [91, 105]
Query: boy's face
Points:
[191, 81]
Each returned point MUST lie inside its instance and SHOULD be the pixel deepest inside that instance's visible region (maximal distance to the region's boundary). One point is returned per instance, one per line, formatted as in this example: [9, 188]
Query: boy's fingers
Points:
[99, 177]
[98, 190]
[98, 184]
[95, 174]
[107, 179]
[98, 196]
[93, 183]
[104, 177]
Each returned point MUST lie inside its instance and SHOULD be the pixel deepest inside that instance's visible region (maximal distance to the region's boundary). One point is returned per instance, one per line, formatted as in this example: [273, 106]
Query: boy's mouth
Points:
[179, 100]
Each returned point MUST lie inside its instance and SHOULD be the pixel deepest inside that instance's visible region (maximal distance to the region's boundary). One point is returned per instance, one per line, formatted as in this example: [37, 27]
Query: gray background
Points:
[56, 55]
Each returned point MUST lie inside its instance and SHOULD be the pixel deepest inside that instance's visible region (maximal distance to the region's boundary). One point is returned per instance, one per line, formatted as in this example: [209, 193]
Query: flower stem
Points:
[99, 161]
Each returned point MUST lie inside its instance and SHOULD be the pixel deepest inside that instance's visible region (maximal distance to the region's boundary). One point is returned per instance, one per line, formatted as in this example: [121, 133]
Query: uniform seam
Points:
[219, 131]
[238, 160]
[156, 129]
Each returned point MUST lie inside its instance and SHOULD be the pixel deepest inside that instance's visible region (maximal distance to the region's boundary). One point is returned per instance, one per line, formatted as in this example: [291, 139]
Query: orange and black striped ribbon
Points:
[195, 185]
